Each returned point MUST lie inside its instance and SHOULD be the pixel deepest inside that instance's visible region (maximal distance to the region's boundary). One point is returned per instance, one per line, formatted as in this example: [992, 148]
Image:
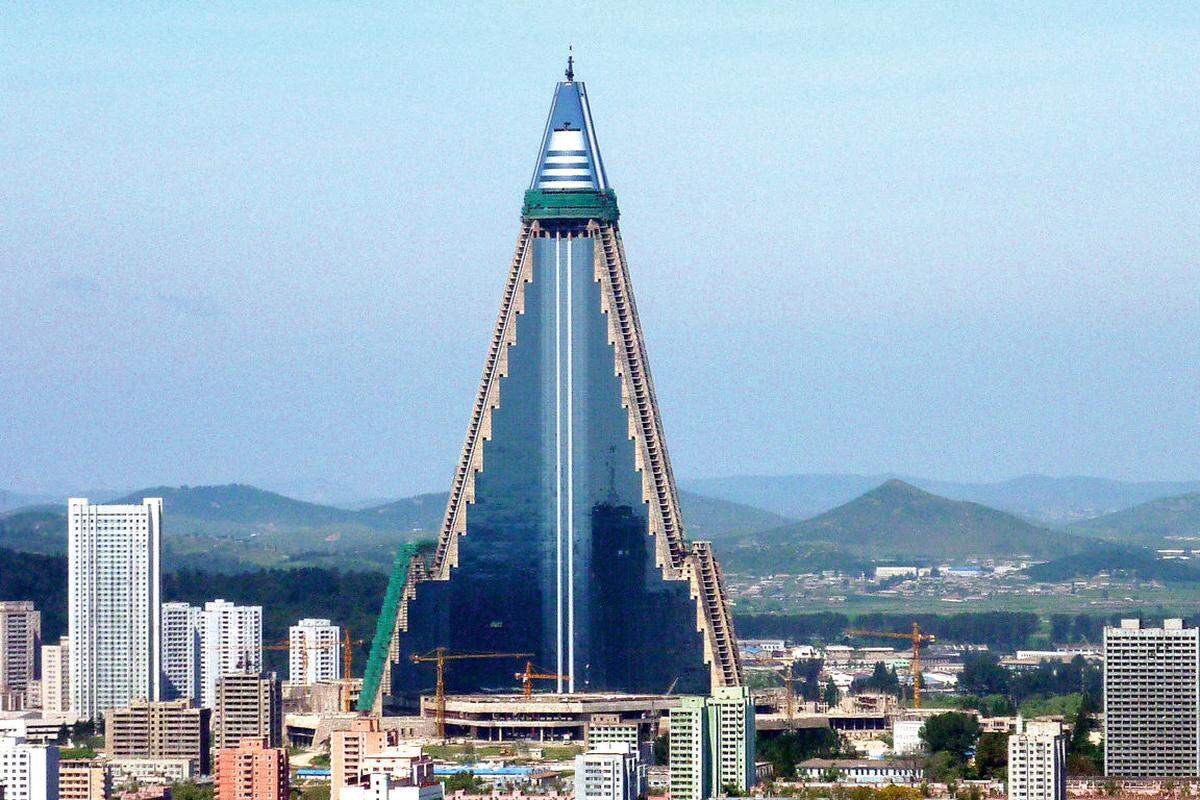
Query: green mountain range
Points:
[898, 520]
[1041, 498]
[1166, 522]
[236, 526]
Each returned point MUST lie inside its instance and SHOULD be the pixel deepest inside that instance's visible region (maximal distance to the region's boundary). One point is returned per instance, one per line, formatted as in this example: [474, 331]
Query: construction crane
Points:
[529, 676]
[346, 687]
[439, 656]
[917, 638]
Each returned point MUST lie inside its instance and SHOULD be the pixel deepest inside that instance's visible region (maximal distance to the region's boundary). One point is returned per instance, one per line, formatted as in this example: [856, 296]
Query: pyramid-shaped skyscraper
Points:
[562, 536]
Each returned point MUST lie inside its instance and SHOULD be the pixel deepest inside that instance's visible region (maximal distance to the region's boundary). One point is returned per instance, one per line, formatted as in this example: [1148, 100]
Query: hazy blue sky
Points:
[267, 243]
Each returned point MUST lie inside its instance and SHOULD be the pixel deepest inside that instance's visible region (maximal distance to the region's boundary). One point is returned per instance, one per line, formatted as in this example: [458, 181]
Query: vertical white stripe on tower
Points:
[570, 482]
[558, 532]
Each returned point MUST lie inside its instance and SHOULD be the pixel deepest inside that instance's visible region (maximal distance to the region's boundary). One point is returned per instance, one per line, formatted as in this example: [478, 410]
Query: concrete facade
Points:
[249, 706]
[20, 639]
[230, 643]
[84, 779]
[252, 770]
[113, 604]
[180, 652]
[1037, 762]
[56, 677]
[28, 771]
[348, 748]
[1152, 700]
[165, 729]
[314, 654]
[609, 771]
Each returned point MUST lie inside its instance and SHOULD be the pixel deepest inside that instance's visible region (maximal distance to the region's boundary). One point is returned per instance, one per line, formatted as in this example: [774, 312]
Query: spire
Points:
[569, 159]
[570, 73]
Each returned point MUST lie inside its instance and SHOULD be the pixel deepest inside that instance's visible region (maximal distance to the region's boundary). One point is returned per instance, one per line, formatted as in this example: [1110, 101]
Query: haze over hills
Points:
[1045, 499]
[236, 526]
[898, 520]
[1165, 522]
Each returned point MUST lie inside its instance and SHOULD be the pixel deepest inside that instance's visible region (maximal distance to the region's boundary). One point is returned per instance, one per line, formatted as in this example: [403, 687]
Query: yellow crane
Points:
[439, 656]
[917, 638]
[347, 683]
[529, 676]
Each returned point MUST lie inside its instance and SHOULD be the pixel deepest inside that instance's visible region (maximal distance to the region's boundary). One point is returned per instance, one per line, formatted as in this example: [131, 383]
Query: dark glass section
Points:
[560, 460]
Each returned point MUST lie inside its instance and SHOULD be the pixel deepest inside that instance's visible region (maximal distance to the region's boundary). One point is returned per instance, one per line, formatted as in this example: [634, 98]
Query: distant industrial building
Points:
[1037, 761]
[113, 604]
[1151, 700]
[56, 677]
[164, 729]
[253, 770]
[249, 706]
[609, 771]
[84, 779]
[712, 744]
[27, 771]
[20, 638]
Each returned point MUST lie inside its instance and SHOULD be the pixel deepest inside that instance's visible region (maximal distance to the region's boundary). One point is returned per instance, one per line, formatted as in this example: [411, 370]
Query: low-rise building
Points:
[401, 772]
[856, 770]
[906, 736]
[84, 779]
[150, 771]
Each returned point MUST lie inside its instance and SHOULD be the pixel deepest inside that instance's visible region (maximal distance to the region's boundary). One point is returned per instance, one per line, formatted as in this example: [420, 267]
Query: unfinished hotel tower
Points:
[562, 535]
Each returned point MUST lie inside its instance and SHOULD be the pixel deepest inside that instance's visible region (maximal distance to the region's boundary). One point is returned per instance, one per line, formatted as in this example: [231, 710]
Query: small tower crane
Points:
[917, 638]
[438, 657]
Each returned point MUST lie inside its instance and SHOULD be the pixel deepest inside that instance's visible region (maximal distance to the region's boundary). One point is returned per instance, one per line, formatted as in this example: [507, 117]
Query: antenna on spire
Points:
[570, 64]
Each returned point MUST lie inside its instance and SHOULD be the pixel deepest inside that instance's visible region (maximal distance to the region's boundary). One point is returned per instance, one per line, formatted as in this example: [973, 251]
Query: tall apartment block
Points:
[249, 706]
[252, 770]
[180, 652]
[113, 604]
[347, 749]
[314, 652]
[609, 771]
[56, 677]
[1151, 700]
[230, 642]
[1037, 761]
[27, 771]
[712, 744]
[20, 638]
[164, 729]
[84, 779]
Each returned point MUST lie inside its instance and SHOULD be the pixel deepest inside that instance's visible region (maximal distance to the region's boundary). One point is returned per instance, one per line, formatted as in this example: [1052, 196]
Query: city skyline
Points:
[970, 254]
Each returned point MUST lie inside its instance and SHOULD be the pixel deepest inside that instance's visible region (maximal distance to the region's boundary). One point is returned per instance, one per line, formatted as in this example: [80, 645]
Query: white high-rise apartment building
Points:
[113, 604]
[20, 638]
[27, 771]
[1152, 700]
[1037, 761]
[180, 652]
[609, 771]
[56, 677]
[314, 652]
[230, 641]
